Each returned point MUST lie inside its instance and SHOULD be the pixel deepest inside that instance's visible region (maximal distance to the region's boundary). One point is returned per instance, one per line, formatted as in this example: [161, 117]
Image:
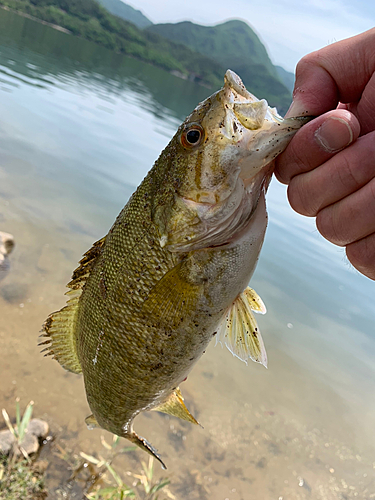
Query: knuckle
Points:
[361, 254]
[290, 162]
[307, 62]
[329, 226]
[347, 174]
[357, 163]
[280, 172]
[300, 197]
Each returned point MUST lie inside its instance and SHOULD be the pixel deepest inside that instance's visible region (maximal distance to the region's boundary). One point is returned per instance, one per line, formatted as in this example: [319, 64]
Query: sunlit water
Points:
[79, 129]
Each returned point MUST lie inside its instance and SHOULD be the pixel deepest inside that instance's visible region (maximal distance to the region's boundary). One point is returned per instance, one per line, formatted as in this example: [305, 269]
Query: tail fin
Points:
[144, 445]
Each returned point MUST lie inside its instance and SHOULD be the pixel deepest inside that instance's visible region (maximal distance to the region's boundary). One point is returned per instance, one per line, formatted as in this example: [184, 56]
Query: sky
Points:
[288, 28]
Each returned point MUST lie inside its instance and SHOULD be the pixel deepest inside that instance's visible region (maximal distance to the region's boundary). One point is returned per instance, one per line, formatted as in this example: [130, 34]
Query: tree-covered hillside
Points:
[286, 77]
[88, 19]
[199, 53]
[233, 45]
[121, 9]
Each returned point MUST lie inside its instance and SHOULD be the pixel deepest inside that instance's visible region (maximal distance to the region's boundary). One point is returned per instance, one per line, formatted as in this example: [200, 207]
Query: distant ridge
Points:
[121, 9]
[190, 51]
[233, 44]
[89, 19]
[286, 77]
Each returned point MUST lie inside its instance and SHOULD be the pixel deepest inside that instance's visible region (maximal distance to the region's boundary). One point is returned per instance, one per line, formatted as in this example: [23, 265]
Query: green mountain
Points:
[286, 77]
[233, 45]
[88, 19]
[125, 11]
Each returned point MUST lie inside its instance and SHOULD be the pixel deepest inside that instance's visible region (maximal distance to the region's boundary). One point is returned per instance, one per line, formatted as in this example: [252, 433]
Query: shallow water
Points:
[79, 129]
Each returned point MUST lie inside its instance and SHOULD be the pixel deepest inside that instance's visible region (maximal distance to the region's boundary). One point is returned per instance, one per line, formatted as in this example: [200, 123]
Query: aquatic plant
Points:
[143, 487]
[19, 430]
[20, 478]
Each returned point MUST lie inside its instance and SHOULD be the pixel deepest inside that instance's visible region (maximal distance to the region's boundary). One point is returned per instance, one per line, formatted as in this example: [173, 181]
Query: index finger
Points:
[337, 73]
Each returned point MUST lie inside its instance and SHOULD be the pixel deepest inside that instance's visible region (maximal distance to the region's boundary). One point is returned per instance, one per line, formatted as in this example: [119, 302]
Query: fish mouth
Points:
[253, 113]
[233, 81]
[254, 127]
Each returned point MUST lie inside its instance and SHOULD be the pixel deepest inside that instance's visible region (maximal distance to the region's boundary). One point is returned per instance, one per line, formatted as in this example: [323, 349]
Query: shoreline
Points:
[176, 73]
[33, 18]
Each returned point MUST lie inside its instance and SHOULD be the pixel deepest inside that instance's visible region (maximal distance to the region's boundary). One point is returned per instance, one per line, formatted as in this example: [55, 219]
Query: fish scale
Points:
[174, 269]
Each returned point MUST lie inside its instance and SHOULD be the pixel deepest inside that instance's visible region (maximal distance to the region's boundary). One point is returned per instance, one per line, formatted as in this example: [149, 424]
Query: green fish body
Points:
[173, 270]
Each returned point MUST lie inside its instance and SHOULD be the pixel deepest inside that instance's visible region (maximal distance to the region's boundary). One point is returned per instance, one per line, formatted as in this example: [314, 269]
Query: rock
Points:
[6, 246]
[6, 442]
[6, 243]
[37, 429]
[30, 444]
[4, 266]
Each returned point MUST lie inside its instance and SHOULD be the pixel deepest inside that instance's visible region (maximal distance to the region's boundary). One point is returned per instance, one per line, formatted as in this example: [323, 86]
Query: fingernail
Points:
[334, 134]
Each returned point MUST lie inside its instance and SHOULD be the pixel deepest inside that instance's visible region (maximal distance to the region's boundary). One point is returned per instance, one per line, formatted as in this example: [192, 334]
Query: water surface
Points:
[79, 129]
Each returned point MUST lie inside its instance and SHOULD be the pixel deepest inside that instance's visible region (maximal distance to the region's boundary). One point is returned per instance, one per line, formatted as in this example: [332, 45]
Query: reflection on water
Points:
[79, 129]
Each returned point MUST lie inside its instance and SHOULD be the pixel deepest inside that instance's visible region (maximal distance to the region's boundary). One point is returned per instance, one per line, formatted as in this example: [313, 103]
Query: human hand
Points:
[330, 163]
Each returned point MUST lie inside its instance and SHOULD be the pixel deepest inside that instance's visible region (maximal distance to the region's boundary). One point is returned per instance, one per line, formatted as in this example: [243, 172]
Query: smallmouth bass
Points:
[174, 269]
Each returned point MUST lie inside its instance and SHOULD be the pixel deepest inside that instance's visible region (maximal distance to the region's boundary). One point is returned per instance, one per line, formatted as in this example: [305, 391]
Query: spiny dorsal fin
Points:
[59, 327]
[86, 264]
[176, 407]
[239, 330]
[172, 299]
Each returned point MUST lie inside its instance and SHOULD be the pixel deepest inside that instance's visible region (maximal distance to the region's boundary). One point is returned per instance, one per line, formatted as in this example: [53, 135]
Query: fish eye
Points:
[192, 136]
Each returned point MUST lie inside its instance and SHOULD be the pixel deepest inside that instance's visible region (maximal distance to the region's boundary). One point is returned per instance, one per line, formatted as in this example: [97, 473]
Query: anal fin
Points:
[239, 330]
[176, 407]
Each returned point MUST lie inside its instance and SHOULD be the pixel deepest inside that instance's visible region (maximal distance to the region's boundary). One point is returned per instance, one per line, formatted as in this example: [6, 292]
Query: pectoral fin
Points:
[256, 303]
[176, 407]
[239, 330]
[172, 298]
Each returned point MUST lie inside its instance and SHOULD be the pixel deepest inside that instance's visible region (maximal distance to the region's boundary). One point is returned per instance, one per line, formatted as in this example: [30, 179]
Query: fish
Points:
[173, 270]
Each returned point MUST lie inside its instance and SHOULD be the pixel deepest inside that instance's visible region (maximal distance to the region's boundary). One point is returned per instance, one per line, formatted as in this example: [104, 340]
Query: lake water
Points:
[79, 129]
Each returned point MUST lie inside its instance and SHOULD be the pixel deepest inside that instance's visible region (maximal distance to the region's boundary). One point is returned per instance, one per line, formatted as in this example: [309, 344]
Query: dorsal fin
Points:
[86, 264]
[59, 327]
[176, 407]
[239, 330]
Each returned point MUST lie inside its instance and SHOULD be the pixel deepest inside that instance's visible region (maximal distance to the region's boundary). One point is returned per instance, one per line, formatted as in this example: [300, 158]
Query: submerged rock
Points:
[6, 246]
[37, 429]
